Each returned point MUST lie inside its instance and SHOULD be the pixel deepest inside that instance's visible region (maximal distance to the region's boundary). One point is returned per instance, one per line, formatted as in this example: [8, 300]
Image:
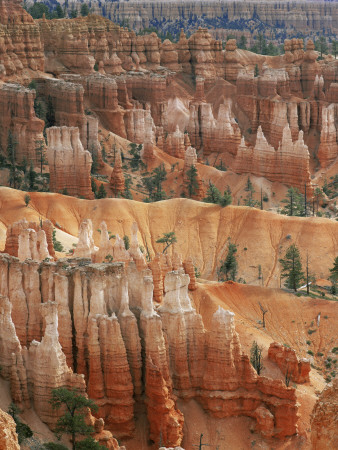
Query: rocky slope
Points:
[274, 18]
[202, 230]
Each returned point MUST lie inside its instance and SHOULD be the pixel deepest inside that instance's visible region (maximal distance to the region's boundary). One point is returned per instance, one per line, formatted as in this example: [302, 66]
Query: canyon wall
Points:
[69, 164]
[17, 116]
[21, 48]
[306, 17]
[93, 319]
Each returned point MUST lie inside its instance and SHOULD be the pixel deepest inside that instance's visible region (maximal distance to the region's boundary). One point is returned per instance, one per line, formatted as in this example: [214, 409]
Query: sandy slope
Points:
[202, 230]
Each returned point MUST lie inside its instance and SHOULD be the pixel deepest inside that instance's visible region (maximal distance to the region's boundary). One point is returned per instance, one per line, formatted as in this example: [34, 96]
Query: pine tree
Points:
[294, 203]
[11, 153]
[191, 182]
[84, 10]
[31, 176]
[292, 268]
[50, 113]
[101, 193]
[40, 153]
[59, 11]
[214, 196]
[73, 420]
[153, 184]
[334, 271]
[256, 357]
[229, 266]
[168, 239]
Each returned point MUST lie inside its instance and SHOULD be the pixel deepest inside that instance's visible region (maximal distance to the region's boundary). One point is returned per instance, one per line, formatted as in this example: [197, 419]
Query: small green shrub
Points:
[311, 331]
[308, 342]
[320, 354]
[310, 352]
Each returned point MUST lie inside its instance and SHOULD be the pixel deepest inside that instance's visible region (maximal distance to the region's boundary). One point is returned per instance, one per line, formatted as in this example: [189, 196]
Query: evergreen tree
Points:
[73, 14]
[73, 420]
[94, 187]
[242, 42]
[40, 153]
[256, 357]
[23, 430]
[126, 241]
[191, 182]
[11, 153]
[135, 152]
[168, 239]
[292, 268]
[334, 47]
[256, 70]
[294, 203]
[334, 271]
[153, 184]
[215, 196]
[84, 10]
[249, 201]
[59, 11]
[50, 113]
[101, 193]
[40, 110]
[31, 176]
[127, 184]
[229, 266]
[27, 199]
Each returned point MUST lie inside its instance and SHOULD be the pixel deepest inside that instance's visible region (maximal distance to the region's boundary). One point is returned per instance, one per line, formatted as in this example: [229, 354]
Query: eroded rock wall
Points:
[118, 333]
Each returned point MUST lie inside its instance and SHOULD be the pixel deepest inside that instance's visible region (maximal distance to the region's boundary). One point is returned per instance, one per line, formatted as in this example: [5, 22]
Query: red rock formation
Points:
[117, 181]
[288, 165]
[232, 371]
[297, 370]
[175, 143]
[328, 148]
[165, 420]
[190, 160]
[9, 342]
[104, 437]
[13, 233]
[208, 133]
[324, 419]
[109, 350]
[69, 164]
[8, 435]
[20, 44]
[190, 270]
[17, 115]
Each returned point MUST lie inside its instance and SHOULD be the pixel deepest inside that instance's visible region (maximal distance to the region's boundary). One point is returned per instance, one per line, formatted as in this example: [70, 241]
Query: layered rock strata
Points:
[20, 42]
[17, 116]
[324, 419]
[295, 369]
[45, 239]
[117, 181]
[289, 164]
[69, 164]
[111, 348]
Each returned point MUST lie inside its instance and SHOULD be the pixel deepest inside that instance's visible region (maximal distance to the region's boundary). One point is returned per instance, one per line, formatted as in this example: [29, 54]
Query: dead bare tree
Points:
[264, 311]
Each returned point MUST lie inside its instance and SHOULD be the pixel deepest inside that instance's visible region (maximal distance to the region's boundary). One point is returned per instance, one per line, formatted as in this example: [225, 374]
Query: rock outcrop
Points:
[17, 116]
[328, 148]
[324, 419]
[295, 369]
[109, 342]
[20, 44]
[69, 164]
[117, 181]
[289, 164]
[8, 435]
[43, 240]
[193, 184]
